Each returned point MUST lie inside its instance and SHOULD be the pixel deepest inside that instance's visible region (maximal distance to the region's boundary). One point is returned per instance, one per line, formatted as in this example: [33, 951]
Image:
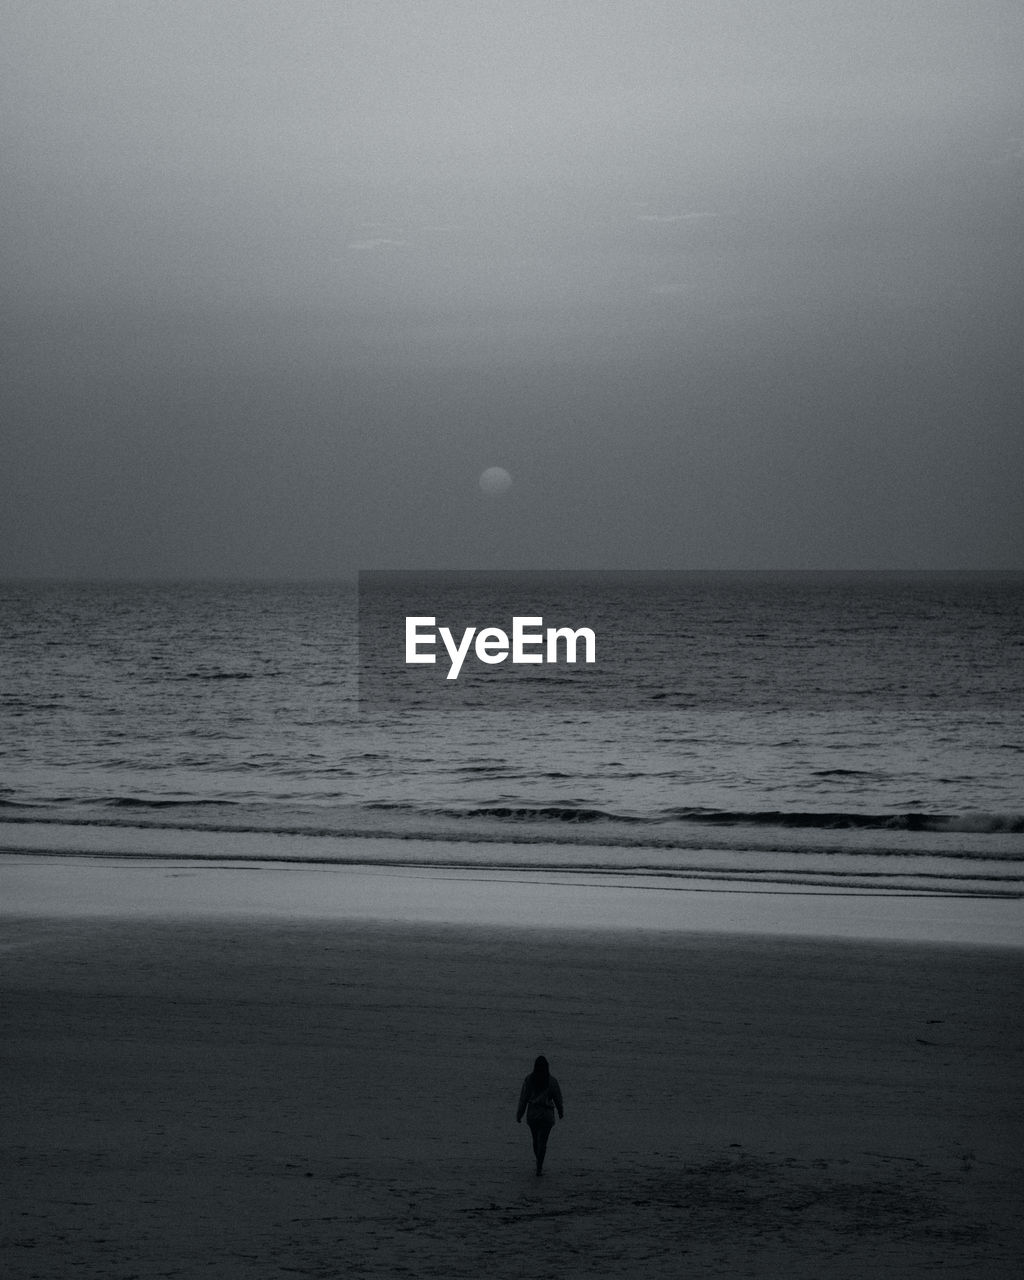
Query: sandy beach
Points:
[511, 545]
[258, 1097]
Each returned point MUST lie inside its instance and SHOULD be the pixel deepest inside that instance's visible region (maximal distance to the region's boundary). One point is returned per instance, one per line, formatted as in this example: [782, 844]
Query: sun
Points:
[495, 480]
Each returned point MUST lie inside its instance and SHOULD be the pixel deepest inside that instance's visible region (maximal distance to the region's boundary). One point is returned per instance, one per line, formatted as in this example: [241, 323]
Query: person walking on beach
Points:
[539, 1098]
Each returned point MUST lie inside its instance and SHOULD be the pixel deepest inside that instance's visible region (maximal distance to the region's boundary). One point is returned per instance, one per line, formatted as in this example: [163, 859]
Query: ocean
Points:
[830, 732]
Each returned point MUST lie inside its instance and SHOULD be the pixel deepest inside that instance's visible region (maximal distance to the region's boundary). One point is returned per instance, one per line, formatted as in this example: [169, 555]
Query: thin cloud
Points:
[376, 242]
[665, 218]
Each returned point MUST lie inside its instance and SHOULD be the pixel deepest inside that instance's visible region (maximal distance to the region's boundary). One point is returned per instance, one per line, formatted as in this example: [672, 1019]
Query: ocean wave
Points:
[656, 826]
[137, 802]
[974, 823]
[843, 773]
[967, 837]
[110, 802]
[969, 823]
[527, 813]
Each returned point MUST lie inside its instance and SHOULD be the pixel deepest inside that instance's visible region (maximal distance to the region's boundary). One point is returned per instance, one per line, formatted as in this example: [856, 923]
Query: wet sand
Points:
[38, 882]
[260, 1097]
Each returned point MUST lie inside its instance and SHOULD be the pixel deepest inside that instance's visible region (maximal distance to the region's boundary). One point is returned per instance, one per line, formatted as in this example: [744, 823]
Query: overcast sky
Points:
[723, 284]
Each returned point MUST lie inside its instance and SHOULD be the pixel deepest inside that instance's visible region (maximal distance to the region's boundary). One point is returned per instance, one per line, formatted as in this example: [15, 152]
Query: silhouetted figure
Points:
[539, 1098]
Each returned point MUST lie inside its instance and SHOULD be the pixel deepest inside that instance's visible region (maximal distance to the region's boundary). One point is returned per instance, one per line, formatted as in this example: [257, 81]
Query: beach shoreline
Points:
[38, 883]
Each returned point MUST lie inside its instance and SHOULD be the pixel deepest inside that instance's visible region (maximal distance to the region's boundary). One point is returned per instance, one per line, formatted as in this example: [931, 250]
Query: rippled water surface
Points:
[849, 725]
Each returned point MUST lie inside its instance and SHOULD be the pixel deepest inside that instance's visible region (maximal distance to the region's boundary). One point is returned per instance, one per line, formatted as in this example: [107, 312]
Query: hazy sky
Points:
[723, 284]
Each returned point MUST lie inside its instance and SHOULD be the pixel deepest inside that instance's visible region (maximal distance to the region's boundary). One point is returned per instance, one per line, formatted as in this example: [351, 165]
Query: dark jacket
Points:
[540, 1105]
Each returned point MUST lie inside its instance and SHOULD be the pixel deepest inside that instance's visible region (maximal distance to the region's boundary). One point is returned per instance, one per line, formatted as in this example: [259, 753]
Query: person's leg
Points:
[540, 1130]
